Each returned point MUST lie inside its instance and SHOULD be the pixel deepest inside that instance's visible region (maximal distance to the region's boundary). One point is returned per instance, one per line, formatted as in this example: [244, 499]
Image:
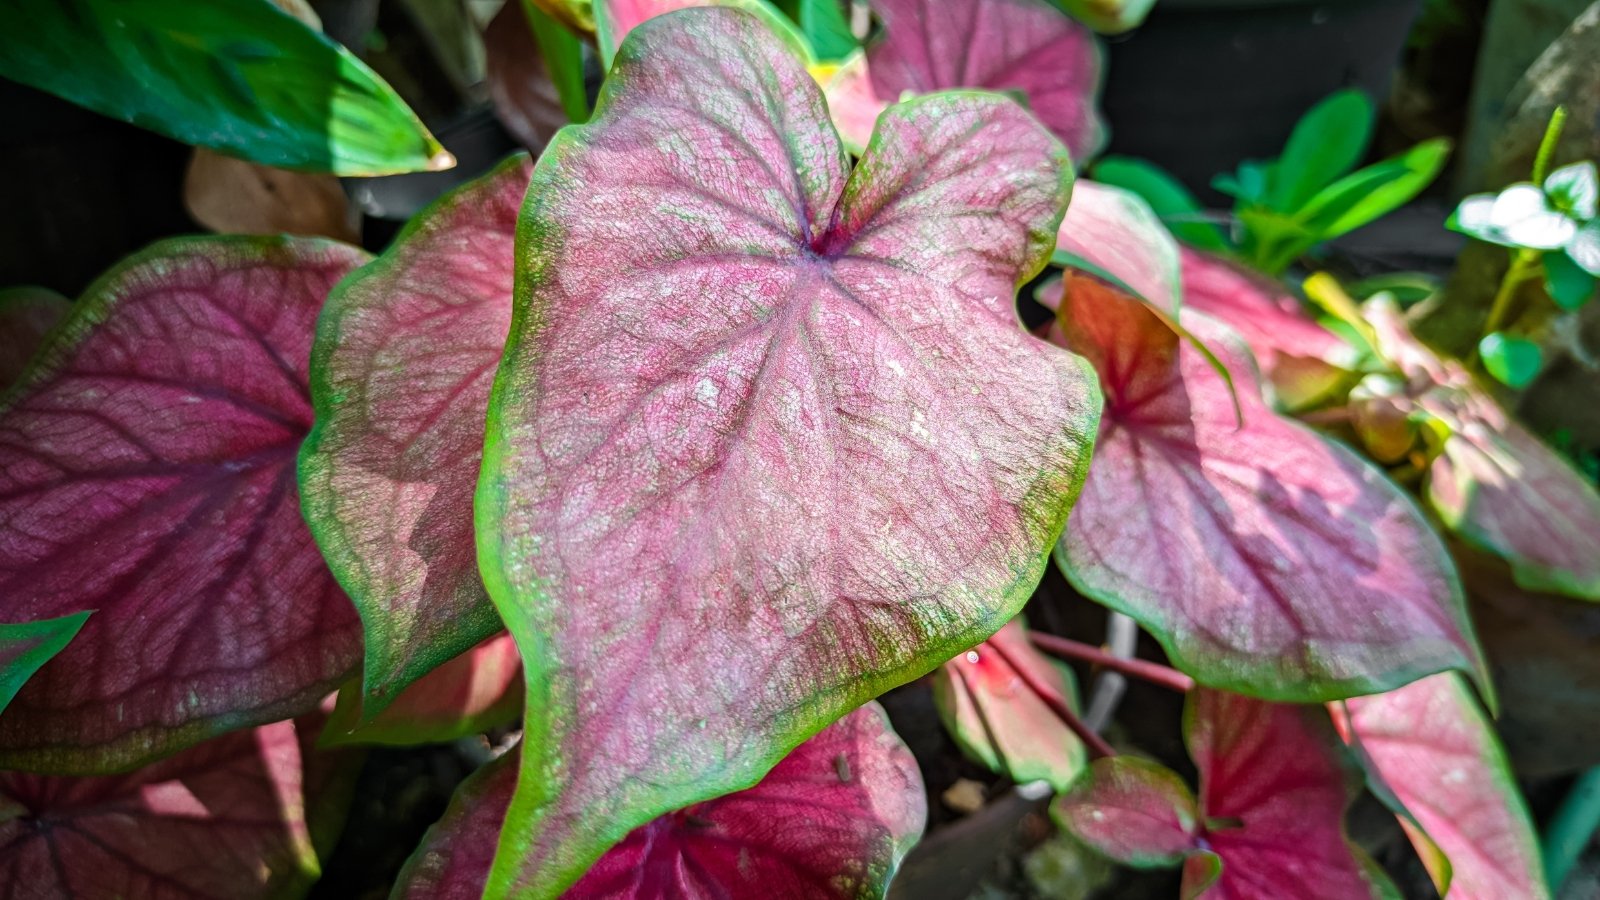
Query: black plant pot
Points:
[1204, 84]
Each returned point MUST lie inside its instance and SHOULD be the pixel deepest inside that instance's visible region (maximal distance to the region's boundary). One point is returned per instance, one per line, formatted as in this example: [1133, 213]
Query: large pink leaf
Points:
[1270, 821]
[1024, 46]
[26, 315]
[147, 473]
[1434, 748]
[1265, 558]
[992, 701]
[234, 817]
[476, 691]
[1495, 483]
[833, 819]
[400, 375]
[766, 442]
[1304, 362]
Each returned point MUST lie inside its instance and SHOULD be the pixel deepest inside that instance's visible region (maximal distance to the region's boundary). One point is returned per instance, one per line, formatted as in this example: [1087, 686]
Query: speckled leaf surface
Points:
[833, 819]
[1303, 362]
[1274, 785]
[476, 691]
[1012, 46]
[237, 817]
[1435, 748]
[1135, 811]
[766, 441]
[147, 473]
[990, 699]
[1265, 558]
[405, 354]
[26, 315]
[1495, 483]
[1116, 232]
[25, 646]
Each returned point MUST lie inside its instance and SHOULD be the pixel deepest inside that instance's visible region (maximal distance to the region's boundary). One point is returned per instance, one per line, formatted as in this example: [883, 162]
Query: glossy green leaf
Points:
[824, 24]
[1178, 209]
[1365, 195]
[239, 76]
[1566, 281]
[26, 646]
[1327, 143]
[563, 58]
[1512, 360]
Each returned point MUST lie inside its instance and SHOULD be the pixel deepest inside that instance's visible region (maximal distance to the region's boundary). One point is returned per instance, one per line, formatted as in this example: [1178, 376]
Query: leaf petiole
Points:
[1155, 673]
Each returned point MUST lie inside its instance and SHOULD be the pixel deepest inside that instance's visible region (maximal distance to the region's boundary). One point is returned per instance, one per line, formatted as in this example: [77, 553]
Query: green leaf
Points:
[1327, 143]
[1248, 184]
[1566, 281]
[824, 24]
[1107, 16]
[1366, 194]
[1178, 209]
[1519, 216]
[238, 76]
[1575, 190]
[27, 646]
[563, 57]
[1513, 361]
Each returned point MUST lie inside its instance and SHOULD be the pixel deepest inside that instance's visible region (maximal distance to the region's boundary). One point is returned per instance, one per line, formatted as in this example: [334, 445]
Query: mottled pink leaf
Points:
[1020, 46]
[147, 473]
[1496, 484]
[476, 691]
[234, 817]
[1265, 558]
[766, 441]
[615, 18]
[1434, 748]
[25, 646]
[26, 315]
[1134, 811]
[400, 375]
[833, 819]
[1274, 784]
[1304, 362]
[1114, 234]
[991, 701]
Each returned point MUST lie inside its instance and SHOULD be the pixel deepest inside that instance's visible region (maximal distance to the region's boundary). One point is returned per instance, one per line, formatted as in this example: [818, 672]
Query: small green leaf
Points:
[1566, 281]
[1326, 144]
[1519, 216]
[27, 646]
[824, 24]
[1512, 360]
[563, 57]
[1248, 184]
[1367, 194]
[1574, 190]
[238, 76]
[1107, 16]
[1177, 208]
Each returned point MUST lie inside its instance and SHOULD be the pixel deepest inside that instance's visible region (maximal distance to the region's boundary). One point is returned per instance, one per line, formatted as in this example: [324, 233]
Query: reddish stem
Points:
[1155, 673]
[1097, 745]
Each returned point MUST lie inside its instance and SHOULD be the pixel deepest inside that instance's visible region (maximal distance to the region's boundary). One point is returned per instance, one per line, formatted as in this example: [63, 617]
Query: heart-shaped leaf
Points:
[239, 76]
[239, 816]
[1024, 47]
[1519, 216]
[615, 18]
[833, 819]
[1496, 484]
[766, 441]
[27, 314]
[1269, 822]
[1513, 361]
[405, 355]
[478, 690]
[991, 699]
[1433, 748]
[147, 473]
[1114, 234]
[1265, 558]
[1302, 361]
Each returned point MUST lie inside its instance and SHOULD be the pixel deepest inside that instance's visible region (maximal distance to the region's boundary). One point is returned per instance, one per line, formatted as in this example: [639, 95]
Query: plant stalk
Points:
[1524, 264]
[1155, 673]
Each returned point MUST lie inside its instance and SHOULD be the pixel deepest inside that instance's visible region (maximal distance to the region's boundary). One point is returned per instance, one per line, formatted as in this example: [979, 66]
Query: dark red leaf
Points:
[26, 315]
[147, 473]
